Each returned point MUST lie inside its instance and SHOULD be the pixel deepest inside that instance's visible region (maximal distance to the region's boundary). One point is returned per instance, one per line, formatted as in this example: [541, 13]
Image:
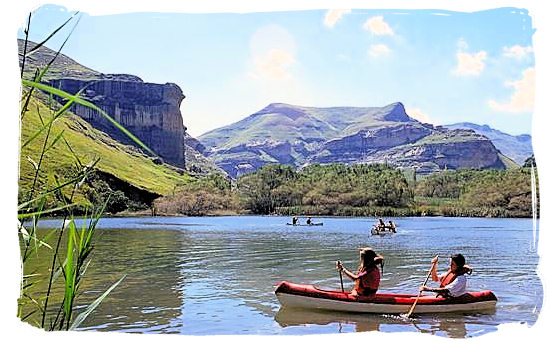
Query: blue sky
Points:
[445, 67]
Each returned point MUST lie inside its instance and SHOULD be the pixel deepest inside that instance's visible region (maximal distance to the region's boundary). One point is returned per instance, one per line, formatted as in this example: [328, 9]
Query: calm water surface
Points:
[216, 275]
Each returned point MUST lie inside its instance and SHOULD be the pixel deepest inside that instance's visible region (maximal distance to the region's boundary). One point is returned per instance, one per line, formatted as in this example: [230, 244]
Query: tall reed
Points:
[56, 195]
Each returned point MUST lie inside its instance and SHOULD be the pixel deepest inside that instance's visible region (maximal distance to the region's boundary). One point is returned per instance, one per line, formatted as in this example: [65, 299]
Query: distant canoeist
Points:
[367, 279]
[392, 226]
[294, 220]
[308, 221]
[453, 282]
[381, 226]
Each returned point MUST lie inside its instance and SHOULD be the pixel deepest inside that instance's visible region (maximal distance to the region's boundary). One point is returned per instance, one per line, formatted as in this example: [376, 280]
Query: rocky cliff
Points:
[517, 147]
[282, 133]
[149, 111]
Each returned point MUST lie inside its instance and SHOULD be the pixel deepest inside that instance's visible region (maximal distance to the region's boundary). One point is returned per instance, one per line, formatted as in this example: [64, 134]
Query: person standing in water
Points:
[369, 271]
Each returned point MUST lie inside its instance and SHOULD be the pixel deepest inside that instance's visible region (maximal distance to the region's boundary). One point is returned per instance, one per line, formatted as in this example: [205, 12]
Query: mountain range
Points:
[298, 136]
[279, 133]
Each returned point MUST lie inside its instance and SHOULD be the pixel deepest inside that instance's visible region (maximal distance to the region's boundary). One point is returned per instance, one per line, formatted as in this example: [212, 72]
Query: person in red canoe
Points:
[453, 282]
[367, 279]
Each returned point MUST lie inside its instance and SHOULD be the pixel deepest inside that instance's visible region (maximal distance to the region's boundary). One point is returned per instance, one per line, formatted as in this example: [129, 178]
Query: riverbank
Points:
[348, 212]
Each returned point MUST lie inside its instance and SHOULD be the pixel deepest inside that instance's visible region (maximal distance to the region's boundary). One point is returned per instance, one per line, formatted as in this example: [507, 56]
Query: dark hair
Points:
[368, 258]
[458, 259]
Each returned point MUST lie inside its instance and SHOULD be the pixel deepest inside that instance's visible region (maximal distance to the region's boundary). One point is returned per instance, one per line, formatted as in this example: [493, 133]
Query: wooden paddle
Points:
[420, 291]
[341, 281]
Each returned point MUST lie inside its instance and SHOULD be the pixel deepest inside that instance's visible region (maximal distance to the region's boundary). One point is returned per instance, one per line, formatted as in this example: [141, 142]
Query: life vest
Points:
[449, 277]
[368, 282]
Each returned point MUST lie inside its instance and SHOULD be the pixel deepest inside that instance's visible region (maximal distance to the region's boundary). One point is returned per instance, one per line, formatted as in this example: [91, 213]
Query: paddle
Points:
[341, 281]
[420, 291]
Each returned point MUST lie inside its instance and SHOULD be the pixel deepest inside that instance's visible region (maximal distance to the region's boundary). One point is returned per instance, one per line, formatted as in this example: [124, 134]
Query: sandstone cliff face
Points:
[354, 148]
[286, 134]
[431, 157]
[149, 111]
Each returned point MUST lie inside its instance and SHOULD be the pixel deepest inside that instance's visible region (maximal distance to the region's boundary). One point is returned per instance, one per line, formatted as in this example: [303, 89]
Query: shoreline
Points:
[143, 214]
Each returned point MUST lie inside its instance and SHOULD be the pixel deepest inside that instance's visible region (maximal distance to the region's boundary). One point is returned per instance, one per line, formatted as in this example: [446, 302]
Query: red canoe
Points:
[307, 296]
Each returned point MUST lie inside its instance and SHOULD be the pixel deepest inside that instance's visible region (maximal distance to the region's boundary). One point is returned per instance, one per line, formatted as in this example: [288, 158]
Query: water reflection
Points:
[211, 276]
[449, 325]
[362, 322]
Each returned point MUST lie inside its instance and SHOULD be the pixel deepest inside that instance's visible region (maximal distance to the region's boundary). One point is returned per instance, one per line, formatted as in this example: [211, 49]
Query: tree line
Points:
[355, 190]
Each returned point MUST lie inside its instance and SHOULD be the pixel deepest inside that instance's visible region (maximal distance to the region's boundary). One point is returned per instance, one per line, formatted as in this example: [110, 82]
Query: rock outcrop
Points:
[519, 147]
[298, 136]
[149, 111]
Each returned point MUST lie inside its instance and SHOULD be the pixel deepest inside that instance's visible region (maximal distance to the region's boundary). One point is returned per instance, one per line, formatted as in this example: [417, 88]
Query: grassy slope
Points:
[122, 161]
[285, 122]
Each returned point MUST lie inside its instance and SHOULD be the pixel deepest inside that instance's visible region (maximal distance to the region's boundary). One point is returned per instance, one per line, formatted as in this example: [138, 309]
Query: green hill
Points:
[125, 163]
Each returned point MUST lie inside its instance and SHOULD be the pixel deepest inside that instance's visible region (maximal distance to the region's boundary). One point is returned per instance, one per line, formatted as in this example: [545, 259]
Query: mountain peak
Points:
[396, 113]
[291, 111]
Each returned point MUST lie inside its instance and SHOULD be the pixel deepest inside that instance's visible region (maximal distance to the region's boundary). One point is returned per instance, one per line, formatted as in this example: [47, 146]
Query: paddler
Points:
[367, 279]
[294, 220]
[308, 221]
[453, 282]
[392, 226]
[381, 226]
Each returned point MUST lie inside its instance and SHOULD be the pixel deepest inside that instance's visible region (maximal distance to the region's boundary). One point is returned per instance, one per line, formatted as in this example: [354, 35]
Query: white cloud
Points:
[517, 51]
[418, 115]
[378, 50]
[377, 26]
[274, 65]
[272, 50]
[470, 64]
[523, 98]
[334, 15]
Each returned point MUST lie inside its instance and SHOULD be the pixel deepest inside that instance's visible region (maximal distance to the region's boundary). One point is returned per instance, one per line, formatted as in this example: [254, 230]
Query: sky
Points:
[445, 69]
[444, 66]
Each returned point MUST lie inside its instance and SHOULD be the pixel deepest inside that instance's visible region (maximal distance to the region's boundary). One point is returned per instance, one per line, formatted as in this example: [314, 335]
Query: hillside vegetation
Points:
[357, 190]
[122, 165]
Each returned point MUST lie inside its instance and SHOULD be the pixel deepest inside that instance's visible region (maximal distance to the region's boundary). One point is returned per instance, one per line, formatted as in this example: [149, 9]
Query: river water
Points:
[216, 275]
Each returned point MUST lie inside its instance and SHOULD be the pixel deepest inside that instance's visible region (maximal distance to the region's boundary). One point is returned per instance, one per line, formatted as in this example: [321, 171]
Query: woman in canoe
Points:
[453, 282]
[367, 279]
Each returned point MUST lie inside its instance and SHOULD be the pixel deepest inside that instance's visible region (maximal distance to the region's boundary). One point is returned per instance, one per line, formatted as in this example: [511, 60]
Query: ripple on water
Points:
[211, 276]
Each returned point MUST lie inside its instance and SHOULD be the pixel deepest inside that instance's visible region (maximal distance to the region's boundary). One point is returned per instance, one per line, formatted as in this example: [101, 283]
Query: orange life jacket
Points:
[447, 279]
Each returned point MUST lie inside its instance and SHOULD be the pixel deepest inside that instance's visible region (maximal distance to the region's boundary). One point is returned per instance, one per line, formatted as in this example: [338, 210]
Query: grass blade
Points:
[69, 272]
[55, 209]
[49, 123]
[79, 100]
[26, 40]
[56, 139]
[82, 316]
[34, 49]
